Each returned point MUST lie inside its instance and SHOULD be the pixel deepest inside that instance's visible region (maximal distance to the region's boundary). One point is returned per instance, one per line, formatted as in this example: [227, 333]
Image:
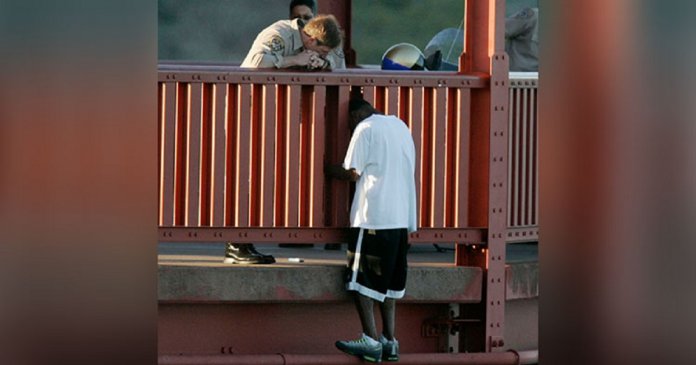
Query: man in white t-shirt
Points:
[381, 159]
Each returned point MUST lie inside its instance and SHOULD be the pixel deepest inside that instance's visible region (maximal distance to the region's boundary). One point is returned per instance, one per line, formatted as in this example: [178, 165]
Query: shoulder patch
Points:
[276, 43]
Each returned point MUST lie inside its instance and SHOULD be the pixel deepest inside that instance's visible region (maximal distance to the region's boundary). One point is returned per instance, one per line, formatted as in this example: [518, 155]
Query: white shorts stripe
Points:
[356, 260]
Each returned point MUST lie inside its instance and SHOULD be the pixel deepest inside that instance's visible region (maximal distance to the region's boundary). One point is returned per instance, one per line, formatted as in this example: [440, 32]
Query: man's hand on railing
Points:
[338, 172]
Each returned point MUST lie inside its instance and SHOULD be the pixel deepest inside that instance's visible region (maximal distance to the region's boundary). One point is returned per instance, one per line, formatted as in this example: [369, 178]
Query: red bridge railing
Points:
[523, 168]
[241, 152]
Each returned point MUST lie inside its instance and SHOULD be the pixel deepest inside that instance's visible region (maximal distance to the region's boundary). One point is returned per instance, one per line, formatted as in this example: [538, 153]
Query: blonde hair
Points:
[325, 29]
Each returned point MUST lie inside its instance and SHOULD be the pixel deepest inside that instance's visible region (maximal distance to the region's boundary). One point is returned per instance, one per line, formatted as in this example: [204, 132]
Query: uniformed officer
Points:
[291, 43]
[305, 10]
[285, 44]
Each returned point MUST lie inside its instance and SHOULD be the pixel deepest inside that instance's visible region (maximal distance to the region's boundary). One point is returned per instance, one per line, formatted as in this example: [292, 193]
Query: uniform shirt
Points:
[522, 40]
[382, 152]
[336, 58]
[279, 40]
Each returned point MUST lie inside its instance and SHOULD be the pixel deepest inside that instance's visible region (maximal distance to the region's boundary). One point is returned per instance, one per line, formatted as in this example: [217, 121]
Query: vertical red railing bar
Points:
[160, 145]
[243, 155]
[341, 189]
[462, 148]
[318, 136]
[524, 156]
[439, 154]
[292, 156]
[451, 190]
[180, 151]
[217, 198]
[305, 153]
[517, 164]
[269, 154]
[281, 143]
[206, 154]
[511, 148]
[535, 159]
[381, 98]
[168, 153]
[392, 98]
[369, 95]
[405, 104]
[193, 172]
[416, 126]
[531, 170]
[231, 155]
[255, 155]
[426, 159]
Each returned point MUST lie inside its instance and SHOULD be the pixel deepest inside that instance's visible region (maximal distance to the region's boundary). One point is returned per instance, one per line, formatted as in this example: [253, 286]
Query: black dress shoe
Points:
[268, 258]
[245, 254]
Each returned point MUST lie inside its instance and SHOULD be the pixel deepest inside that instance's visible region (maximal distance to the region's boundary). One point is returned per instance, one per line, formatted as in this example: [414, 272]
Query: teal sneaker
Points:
[365, 348]
[390, 349]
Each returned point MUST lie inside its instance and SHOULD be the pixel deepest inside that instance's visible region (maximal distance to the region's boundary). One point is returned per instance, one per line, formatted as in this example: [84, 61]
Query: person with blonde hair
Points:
[296, 44]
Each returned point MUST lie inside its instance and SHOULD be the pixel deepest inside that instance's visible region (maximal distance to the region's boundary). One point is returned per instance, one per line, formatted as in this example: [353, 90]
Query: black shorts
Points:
[380, 269]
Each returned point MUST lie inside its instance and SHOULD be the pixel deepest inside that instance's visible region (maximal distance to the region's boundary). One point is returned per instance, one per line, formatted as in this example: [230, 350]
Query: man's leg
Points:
[388, 310]
[365, 307]
[390, 346]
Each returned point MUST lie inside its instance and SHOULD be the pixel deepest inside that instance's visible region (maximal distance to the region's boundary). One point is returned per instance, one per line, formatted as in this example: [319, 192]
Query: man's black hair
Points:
[308, 3]
[357, 104]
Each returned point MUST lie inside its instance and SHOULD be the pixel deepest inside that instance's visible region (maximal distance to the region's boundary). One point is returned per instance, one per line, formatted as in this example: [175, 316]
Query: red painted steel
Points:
[307, 234]
[342, 10]
[268, 130]
[246, 141]
[463, 124]
[522, 156]
[318, 136]
[231, 160]
[438, 202]
[242, 155]
[167, 154]
[217, 198]
[484, 52]
[292, 157]
[502, 358]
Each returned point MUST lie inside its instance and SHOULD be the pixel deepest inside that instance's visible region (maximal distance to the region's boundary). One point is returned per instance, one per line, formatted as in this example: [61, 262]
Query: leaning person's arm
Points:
[338, 172]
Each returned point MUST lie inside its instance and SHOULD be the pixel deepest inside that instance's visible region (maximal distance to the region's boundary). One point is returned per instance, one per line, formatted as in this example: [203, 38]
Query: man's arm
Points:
[338, 172]
[336, 60]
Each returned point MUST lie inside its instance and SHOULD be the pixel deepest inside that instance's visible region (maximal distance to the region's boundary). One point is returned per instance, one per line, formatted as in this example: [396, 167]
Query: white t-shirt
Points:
[381, 150]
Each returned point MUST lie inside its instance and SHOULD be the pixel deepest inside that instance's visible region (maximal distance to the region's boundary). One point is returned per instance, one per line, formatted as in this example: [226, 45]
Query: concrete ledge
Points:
[275, 283]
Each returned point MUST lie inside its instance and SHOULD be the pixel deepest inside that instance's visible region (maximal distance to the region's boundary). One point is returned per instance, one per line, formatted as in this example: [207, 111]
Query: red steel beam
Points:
[484, 52]
[349, 77]
[501, 358]
[307, 235]
[342, 10]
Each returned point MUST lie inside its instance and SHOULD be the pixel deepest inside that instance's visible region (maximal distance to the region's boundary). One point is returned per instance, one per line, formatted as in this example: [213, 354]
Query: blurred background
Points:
[223, 30]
